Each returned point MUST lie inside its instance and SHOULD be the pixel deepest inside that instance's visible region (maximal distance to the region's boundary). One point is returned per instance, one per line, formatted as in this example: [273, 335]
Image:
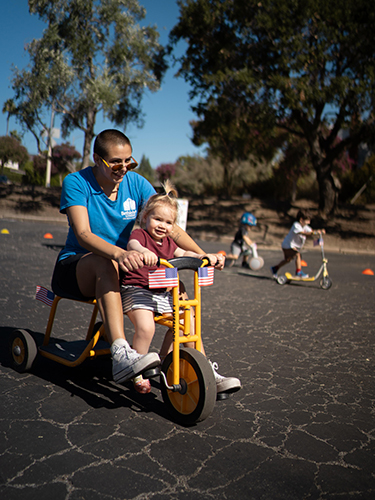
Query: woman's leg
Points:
[99, 277]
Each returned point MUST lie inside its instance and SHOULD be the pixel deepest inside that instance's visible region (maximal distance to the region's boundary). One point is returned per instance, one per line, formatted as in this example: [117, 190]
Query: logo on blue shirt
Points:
[130, 210]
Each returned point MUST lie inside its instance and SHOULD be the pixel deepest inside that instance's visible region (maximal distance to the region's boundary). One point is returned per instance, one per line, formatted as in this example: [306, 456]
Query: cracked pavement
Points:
[302, 427]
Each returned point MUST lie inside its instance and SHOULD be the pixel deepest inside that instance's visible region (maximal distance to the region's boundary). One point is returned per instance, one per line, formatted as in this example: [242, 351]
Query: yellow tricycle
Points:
[187, 380]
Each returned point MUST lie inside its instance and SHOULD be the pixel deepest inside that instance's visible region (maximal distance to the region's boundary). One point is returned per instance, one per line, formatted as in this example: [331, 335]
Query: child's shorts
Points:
[289, 254]
[236, 249]
[134, 297]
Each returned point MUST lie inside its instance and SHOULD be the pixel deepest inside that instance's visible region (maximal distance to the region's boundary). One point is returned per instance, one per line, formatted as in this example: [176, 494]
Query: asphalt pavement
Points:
[302, 427]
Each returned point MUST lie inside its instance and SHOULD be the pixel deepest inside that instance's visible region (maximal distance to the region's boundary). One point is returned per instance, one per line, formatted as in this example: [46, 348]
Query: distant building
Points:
[12, 165]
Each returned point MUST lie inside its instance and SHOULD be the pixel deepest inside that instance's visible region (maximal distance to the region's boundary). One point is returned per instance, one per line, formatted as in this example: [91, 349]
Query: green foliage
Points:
[197, 176]
[32, 176]
[301, 66]
[354, 180]
[146, 170]
[13, 175]
[93, 57]
[12, 150]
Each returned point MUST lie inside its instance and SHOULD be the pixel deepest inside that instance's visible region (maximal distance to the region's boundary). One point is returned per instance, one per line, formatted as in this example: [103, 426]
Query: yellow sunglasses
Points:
[130, 165]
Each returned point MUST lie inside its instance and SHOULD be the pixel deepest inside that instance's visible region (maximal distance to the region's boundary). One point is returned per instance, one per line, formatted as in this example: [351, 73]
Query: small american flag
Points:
[44, 295]
[205, 276]
[163, 278]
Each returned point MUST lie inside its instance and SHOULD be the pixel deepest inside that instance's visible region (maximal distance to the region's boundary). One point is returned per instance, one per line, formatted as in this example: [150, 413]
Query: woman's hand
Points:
[129, 261]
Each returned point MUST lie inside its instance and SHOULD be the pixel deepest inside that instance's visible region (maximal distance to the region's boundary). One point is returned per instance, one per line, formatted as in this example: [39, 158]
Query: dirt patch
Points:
[352, 229]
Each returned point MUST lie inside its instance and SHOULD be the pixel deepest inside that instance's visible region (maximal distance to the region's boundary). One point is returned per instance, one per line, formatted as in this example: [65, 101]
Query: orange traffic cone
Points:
[303, 263]
[48, 236]
[368, 271]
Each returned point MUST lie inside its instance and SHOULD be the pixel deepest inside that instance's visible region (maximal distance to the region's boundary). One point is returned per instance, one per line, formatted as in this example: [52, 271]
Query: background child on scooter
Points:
[294, 242]
[242, 240]
[139, 302]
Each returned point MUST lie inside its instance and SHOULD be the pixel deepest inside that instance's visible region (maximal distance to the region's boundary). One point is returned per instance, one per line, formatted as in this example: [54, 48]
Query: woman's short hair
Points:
[108, 137]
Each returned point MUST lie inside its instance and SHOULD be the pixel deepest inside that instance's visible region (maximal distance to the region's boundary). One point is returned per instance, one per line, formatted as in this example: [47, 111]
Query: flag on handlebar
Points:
[44, 295]
[205, 276]
[163, 278]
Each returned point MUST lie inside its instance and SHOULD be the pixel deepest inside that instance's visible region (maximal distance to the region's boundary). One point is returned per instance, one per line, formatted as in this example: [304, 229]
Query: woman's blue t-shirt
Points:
[111, 220]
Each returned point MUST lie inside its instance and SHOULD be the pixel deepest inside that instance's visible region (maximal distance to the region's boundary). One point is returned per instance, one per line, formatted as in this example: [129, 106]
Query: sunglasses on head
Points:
[130, 164]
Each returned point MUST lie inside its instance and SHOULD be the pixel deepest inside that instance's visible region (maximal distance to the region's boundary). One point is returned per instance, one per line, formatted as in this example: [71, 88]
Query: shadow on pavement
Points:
[91, 381]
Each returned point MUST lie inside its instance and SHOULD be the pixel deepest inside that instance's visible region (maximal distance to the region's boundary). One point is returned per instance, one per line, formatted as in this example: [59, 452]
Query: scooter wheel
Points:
[325, 283]
[282, 279]
[23, 350]
[197, 397]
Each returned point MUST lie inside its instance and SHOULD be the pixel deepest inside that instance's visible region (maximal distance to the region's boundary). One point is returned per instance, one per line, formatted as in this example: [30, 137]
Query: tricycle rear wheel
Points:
[23, 350]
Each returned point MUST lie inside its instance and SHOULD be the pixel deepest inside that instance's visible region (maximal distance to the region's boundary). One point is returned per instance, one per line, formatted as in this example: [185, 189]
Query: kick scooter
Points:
[325, 281]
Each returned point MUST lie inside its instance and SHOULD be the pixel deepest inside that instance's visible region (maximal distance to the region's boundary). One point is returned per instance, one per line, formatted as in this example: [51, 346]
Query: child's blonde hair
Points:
[167, 198]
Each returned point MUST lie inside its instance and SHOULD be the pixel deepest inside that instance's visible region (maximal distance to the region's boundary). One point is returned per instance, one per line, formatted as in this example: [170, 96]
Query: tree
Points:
[63, 159]
[93, 57]
[12, 150]
[302, 66]
[165, 171]
[9, 108]
[146, 170]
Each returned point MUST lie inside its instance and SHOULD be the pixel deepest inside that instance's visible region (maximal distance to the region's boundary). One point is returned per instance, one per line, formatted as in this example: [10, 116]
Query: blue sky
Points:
[166, 133]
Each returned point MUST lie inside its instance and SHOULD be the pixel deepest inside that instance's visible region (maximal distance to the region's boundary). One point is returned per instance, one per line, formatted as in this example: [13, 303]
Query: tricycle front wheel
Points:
[196, 399]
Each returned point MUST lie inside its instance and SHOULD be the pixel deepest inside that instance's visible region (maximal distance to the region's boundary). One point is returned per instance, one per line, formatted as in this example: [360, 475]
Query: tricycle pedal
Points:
[152, 372]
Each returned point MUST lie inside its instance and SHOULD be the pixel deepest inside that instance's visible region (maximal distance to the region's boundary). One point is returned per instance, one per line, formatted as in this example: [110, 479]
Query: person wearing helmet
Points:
[242, 240]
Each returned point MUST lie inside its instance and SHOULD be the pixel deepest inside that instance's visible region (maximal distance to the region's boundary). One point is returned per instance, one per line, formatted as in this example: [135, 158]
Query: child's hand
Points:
[149, 258]
[217, 260]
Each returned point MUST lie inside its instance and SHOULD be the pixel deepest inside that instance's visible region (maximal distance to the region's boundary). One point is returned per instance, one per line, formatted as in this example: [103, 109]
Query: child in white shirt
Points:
[294, 241]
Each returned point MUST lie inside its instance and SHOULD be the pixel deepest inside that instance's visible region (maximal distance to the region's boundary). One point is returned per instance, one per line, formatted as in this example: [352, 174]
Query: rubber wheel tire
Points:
[325, 283]
[198, 381]
[282, 279]
[23, 350]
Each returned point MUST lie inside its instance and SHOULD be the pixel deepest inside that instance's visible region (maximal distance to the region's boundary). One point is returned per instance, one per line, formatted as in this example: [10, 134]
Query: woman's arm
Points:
[79, 221]
[184, 241]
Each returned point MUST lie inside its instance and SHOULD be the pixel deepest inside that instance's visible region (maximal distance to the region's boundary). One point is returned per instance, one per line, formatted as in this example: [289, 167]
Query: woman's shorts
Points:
[134, 297]
[64, 279]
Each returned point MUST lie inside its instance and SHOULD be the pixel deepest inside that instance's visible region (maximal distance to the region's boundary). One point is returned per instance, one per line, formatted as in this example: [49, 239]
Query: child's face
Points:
[304, 222]
[160, 221]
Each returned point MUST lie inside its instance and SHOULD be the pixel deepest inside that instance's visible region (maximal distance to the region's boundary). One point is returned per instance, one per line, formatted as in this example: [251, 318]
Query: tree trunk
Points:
[89, 136]
[327, 192]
